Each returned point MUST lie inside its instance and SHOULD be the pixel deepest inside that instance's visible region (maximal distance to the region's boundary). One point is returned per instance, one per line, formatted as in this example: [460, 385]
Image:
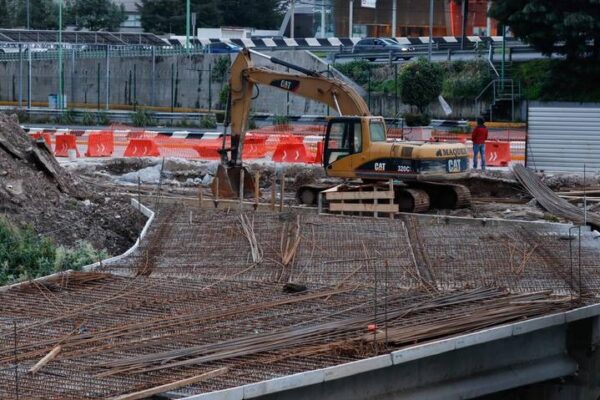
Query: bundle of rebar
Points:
[490, 307]
[551, 201]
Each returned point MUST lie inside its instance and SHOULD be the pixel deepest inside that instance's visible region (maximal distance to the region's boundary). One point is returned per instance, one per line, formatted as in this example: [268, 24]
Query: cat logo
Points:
[286, 84]
[379, 166]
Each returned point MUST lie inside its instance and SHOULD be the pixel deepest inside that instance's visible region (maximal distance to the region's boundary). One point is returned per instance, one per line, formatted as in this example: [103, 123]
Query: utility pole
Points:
[187, 25]
[351, 7]
[394, 12]
[430, 30]
[323, 19]
[60, 58]
[28, 18]
[292, 17]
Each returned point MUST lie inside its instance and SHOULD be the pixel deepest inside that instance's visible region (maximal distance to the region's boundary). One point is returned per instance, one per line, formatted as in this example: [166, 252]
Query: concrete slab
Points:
[236, 393]
[284, 383]
[535, 324]
[487, 335]
[424, 350]
[357, 367]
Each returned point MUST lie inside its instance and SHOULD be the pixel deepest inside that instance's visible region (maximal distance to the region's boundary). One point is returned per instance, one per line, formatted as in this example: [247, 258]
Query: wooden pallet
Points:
[368, 200]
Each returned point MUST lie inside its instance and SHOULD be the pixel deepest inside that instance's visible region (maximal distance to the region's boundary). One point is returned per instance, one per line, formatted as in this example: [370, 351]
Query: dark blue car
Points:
[221, 47]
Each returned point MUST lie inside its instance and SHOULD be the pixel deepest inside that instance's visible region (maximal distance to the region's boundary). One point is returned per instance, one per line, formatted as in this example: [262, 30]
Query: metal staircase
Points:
[501, 92]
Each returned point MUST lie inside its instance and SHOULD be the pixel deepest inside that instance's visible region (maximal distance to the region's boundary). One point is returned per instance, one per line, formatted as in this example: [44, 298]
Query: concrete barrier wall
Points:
[153, 81]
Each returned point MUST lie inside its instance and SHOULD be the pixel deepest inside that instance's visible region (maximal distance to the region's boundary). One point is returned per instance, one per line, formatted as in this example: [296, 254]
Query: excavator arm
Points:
[309, 84]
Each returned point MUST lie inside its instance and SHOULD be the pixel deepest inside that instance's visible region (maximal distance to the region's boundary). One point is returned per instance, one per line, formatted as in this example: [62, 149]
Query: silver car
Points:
[382, 45]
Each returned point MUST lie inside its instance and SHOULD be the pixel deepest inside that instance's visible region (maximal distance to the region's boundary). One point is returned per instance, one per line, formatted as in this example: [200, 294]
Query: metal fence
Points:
[563, 139]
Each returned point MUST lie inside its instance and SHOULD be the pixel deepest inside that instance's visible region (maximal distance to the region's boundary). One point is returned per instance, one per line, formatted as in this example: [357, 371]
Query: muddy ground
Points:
[36, 191]
[496, 194]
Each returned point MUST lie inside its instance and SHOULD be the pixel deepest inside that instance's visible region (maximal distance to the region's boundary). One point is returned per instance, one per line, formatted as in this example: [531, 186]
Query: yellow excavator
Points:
[355, 143]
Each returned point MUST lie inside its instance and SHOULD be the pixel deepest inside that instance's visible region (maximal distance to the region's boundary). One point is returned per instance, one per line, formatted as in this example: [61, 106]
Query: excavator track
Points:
[445, 195]
[412, 200]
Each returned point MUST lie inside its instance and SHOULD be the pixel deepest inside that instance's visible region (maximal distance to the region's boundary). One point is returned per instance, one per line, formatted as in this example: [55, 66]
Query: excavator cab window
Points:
[343, 138]
[377, 131]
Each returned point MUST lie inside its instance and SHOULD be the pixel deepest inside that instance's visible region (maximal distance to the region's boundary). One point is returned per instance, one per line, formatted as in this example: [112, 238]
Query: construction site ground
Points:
[249, 296]
[232, 295]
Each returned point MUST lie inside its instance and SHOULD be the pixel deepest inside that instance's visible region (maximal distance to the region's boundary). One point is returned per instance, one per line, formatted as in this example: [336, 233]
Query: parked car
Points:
[381, 45]
[221, 47]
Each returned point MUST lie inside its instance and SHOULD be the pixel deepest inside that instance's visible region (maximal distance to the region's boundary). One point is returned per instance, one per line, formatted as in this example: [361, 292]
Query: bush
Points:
[464, 80]
[66, 117]
[252, 124]
[411, 119]
[142, 118]
[25, 255]
[358, 71]
[223, 95]
[280, 120]
[421, 83]
[208, 122]
[102, 118]
[88, 119]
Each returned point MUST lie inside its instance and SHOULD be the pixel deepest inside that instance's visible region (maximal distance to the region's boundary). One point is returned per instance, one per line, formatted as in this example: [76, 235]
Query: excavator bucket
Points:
[227, 182]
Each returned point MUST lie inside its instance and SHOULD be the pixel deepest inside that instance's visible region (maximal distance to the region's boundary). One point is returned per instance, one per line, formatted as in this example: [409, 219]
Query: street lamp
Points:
[187, 25]
[430, 29]
[60, 58]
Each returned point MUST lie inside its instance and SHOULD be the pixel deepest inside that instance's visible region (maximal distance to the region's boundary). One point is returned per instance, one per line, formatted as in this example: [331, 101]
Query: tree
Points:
[43, 14]
[544, 23]
[168, 16]
[95, 15]
[263, 14]
[421, 83]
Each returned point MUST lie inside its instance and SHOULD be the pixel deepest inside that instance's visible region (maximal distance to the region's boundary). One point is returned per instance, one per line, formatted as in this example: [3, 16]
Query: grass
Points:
[24, 255]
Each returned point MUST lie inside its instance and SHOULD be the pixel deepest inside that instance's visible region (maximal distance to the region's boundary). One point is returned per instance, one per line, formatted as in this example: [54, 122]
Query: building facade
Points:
[375, 18]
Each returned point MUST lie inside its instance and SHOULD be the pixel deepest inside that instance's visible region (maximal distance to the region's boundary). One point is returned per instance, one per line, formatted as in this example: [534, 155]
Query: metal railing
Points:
[501, 90]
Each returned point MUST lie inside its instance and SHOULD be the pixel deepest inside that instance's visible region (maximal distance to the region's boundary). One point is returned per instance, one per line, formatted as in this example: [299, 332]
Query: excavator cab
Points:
[347, 143]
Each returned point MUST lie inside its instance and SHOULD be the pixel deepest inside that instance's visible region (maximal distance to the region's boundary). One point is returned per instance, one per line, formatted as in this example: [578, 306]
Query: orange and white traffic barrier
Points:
[291, 153]
[142, 148]
[100, 144]
[497, 154]
[64, 143]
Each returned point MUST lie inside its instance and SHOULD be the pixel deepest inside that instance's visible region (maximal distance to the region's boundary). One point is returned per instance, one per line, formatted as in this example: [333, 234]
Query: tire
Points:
[371, 59]
[406, 58]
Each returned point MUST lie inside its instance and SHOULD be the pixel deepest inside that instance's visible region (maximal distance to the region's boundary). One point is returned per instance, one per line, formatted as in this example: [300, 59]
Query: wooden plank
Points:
[359, 195]
[47, 358]
[171, 386]
[358, 207]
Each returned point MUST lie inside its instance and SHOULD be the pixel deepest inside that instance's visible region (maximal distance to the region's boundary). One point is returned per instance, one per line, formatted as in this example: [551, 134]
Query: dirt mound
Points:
[36, 191]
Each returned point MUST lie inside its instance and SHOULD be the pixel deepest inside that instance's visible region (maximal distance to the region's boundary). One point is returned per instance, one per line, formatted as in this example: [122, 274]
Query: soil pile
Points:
[36, 191]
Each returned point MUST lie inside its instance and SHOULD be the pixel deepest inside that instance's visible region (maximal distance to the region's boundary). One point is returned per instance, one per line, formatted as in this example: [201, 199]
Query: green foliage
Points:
[88, 119]
[168, 16]
[543, 23]
[43, 14]
[252, 124]
[67, 117]
[208, 122]
[95, 14]
[223, 95]
[411, 119]
[559, 80]
[142, 118]
[421, 83]
[220, 68]
[102, 118]
[25, 255]
[464, 80]
[357, 70]
[280, 120]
